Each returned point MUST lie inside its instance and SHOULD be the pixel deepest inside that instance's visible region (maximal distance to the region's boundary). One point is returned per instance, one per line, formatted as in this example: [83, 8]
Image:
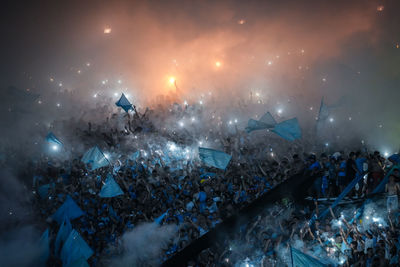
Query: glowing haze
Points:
[280, 51]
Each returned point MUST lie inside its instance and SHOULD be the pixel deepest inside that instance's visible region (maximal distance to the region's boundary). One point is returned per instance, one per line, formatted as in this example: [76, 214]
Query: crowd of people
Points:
[363, 234]
[164, 182]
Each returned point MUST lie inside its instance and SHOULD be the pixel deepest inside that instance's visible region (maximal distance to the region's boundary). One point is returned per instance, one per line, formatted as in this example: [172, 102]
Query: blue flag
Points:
[62, 235]
[51, 138]
[69, 210]
[289, 129]
[268, 119]
[74, 249]
[300, 259]
[265, 122]
[135, 155]
[124, 103]
[395, 158]
[110, 188]
[161, 217]
[214, 158]
[95, 157]
[44, 244]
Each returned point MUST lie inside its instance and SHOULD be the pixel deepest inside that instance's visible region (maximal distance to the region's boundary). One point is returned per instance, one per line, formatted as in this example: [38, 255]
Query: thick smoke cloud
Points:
[144, 244]
[290, 53]
[19, 236]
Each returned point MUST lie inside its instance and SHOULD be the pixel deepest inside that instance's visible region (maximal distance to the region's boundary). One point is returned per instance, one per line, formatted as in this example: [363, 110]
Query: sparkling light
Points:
[171, 80]
[172, 147]
[218, 64]
[55, 147]
[331, 120]
[107, 30]
[181, 124]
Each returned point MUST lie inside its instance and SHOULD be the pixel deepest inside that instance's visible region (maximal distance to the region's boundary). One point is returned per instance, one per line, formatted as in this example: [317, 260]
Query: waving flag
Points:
[74, 249]
[289, 129]
[159, 219]
[95, 157]
[51, 138]
[214, 158]
[110, 188]
[325, 111]
[62, 235]
[124, 103]
[135, 155]
[300, 259]
[69, 210]
[265, 122]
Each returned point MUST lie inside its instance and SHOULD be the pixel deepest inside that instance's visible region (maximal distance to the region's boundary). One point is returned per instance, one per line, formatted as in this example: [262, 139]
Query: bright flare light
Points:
[107, 30]
[386, 154]
[181, 124]
[241, 21]
[331, 119]
[55, 147]
[172, 147]
[218, 64]
[171, 80]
